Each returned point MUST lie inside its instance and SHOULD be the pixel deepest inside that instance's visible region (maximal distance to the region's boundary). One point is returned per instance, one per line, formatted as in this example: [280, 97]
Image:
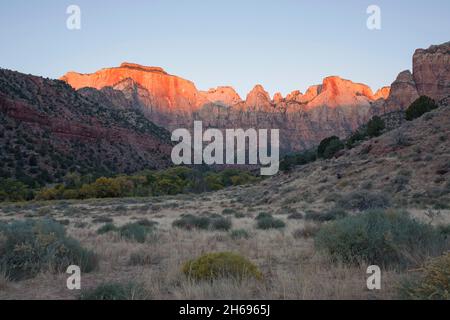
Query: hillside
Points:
[47, 129]
[410, 165]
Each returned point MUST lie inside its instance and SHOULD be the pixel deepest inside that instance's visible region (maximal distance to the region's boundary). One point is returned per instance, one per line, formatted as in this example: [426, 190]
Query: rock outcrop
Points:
[431, 71]
[225, 96]
[430, 77]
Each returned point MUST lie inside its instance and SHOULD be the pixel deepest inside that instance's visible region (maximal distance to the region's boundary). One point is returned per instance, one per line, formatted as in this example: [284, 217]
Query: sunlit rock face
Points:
[335, 107]
[430, 77]
[431, 71]
[225, 96]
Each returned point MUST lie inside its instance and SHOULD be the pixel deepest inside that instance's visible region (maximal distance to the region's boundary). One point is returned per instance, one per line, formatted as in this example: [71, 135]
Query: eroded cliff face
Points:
[335, 107]
[430, 77]
[431, 71]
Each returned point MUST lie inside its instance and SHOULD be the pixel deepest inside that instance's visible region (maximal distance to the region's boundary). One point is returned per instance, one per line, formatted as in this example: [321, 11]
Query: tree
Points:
[419, 107]
[329, 146]
[375, 127]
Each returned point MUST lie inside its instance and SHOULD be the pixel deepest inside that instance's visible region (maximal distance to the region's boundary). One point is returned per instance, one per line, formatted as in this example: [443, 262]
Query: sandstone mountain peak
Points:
[224, 95]
[258, 98]
[336, 91]
[277, 97]
[382, 93]
[142, 68]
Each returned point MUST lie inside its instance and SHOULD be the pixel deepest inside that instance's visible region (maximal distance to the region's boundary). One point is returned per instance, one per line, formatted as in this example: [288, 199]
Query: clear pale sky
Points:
[284, 45]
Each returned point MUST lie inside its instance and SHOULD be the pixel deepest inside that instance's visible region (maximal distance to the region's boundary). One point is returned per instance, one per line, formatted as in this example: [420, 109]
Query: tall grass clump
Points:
[31, 246]
[381, 238]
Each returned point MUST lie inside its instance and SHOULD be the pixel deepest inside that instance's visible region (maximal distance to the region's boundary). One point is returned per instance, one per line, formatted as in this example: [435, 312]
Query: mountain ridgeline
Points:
[118, 120]
[48, 129]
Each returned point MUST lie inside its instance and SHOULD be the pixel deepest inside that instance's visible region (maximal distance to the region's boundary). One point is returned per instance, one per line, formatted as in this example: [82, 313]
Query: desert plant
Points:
[328, 147]
[109, 227]
[296, 216]
[228, 211]
[363, 200]
[239, 234]
[190, 222]
[332, 214]
[135, 231]
[270, 222]
[432, 284]
[37, 245]
[221, 224]
[212, 266]
[115, 291]
[419, 107]
[381, 238]
[375, 127]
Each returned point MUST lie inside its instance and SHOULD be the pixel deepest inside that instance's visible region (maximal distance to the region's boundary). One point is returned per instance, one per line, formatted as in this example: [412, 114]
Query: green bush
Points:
[11, 190]
[266, 223]
[263, 215]
[109, 227]
[33, 246]
[380, 238]
[419, 107]
[221, 265]
[221, 224]
[190, 222]
[375, 127]
[135, 232]
[329, 215]
[432, 284]
[296, 216]
[328, 147]
[115, 291]
[363, 200]
[228, 211]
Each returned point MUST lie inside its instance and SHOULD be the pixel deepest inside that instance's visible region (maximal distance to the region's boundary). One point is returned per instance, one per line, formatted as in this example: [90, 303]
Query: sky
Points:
[284, 45]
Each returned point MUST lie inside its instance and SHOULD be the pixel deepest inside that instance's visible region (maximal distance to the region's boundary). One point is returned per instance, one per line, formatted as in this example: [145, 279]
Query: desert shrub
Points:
[296, 216]
[263, 215]
[109, 227]
[295, 159]
[269, 222]
[332, 214]
[239, 234]
[221, 265]
[381, 238]
[221, 224]
[419, 107]
[363, 200]
[147, 223]
[135, 232]
[115, 291]
[432, 284]
[33, 246]
[228, 211]
[190, 222]
[375, 127]
[328, 147]
[11, 190]
[103, 220]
